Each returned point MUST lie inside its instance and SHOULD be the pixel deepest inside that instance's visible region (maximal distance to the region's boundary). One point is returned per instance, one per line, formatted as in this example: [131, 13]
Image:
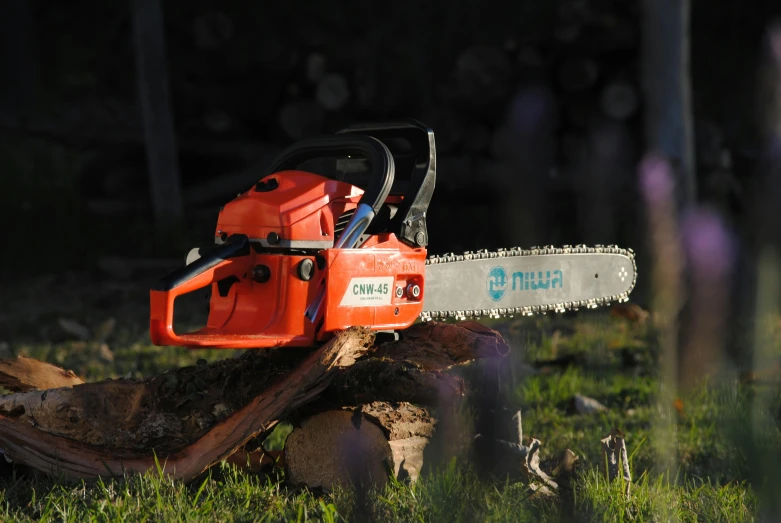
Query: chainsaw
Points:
[334, 235]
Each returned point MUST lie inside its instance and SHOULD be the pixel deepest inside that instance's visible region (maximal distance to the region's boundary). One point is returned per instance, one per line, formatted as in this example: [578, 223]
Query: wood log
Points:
[362, 445]
[411, 369]
[194, 417]
[401, 390]
[178, 418]
[440, 346]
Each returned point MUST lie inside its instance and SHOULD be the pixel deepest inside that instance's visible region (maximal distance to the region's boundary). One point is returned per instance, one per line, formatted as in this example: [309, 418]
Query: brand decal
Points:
[525, 281]
[396, 266]
[497, 283]
[368, 292]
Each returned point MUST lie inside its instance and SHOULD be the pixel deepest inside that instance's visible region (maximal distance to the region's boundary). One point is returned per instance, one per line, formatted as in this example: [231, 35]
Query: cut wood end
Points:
[337, 448]
[359, 445]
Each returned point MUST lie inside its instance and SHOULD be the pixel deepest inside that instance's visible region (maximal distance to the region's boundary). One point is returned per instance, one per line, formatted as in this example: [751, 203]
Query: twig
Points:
[614, 449]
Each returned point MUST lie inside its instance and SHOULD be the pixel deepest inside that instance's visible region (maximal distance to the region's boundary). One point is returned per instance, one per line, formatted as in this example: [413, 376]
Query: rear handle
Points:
[409, 223]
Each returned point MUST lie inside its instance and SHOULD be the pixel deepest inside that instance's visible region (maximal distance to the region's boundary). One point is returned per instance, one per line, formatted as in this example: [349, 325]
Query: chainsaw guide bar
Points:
[527, 281]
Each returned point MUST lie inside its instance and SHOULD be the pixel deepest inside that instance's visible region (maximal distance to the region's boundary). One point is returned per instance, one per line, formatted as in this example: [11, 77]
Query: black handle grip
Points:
[412, 145]
[374, 150]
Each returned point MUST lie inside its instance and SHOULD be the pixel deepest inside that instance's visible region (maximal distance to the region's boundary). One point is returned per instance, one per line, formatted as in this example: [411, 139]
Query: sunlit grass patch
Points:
[654, 498]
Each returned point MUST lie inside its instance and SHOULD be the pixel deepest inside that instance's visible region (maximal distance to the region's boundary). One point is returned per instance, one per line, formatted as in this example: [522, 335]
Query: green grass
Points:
[722, 448]
[223, 495]
[451, 494]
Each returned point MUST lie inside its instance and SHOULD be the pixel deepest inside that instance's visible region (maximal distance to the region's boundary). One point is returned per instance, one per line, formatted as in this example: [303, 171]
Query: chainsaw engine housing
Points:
[302, 255]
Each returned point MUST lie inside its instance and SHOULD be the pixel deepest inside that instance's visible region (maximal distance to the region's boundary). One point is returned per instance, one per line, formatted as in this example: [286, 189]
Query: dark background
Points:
[533, 149]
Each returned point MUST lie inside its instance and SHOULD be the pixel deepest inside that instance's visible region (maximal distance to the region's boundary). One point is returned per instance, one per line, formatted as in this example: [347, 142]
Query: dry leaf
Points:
[105, 352]
[567, 463]
[629, 311]
[533, 469]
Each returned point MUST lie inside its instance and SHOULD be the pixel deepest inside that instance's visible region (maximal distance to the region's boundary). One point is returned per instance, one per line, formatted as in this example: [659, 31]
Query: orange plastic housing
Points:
[302, 208]
[362, 283]
[369, 286]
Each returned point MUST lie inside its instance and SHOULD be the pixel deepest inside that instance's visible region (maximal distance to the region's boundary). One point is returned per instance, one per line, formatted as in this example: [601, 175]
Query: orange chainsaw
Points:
[334, 236]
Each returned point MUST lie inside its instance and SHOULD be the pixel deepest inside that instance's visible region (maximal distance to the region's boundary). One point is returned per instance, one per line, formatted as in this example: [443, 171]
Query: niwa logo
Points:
[496, 283]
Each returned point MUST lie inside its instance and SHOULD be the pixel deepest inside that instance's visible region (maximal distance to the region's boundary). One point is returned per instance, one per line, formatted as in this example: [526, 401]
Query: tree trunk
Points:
[194, 417]
[153, 91]
[17, 60]
[669, 126]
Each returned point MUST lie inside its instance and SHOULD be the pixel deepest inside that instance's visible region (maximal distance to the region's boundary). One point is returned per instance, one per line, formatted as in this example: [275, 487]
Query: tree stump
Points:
[192, 418]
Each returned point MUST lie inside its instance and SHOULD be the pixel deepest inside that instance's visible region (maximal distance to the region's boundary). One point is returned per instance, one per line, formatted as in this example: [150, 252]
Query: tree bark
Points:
[155, 101]
[105, 428]
[192, 418]
[669, 127]
[17, 60]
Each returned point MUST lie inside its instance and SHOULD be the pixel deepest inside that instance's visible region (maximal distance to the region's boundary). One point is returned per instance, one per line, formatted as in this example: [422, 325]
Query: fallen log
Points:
[194, 417]
[117, 426]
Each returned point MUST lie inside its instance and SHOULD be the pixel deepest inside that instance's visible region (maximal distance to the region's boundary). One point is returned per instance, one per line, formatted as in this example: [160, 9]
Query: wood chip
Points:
[614, 452]
[23, 374]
